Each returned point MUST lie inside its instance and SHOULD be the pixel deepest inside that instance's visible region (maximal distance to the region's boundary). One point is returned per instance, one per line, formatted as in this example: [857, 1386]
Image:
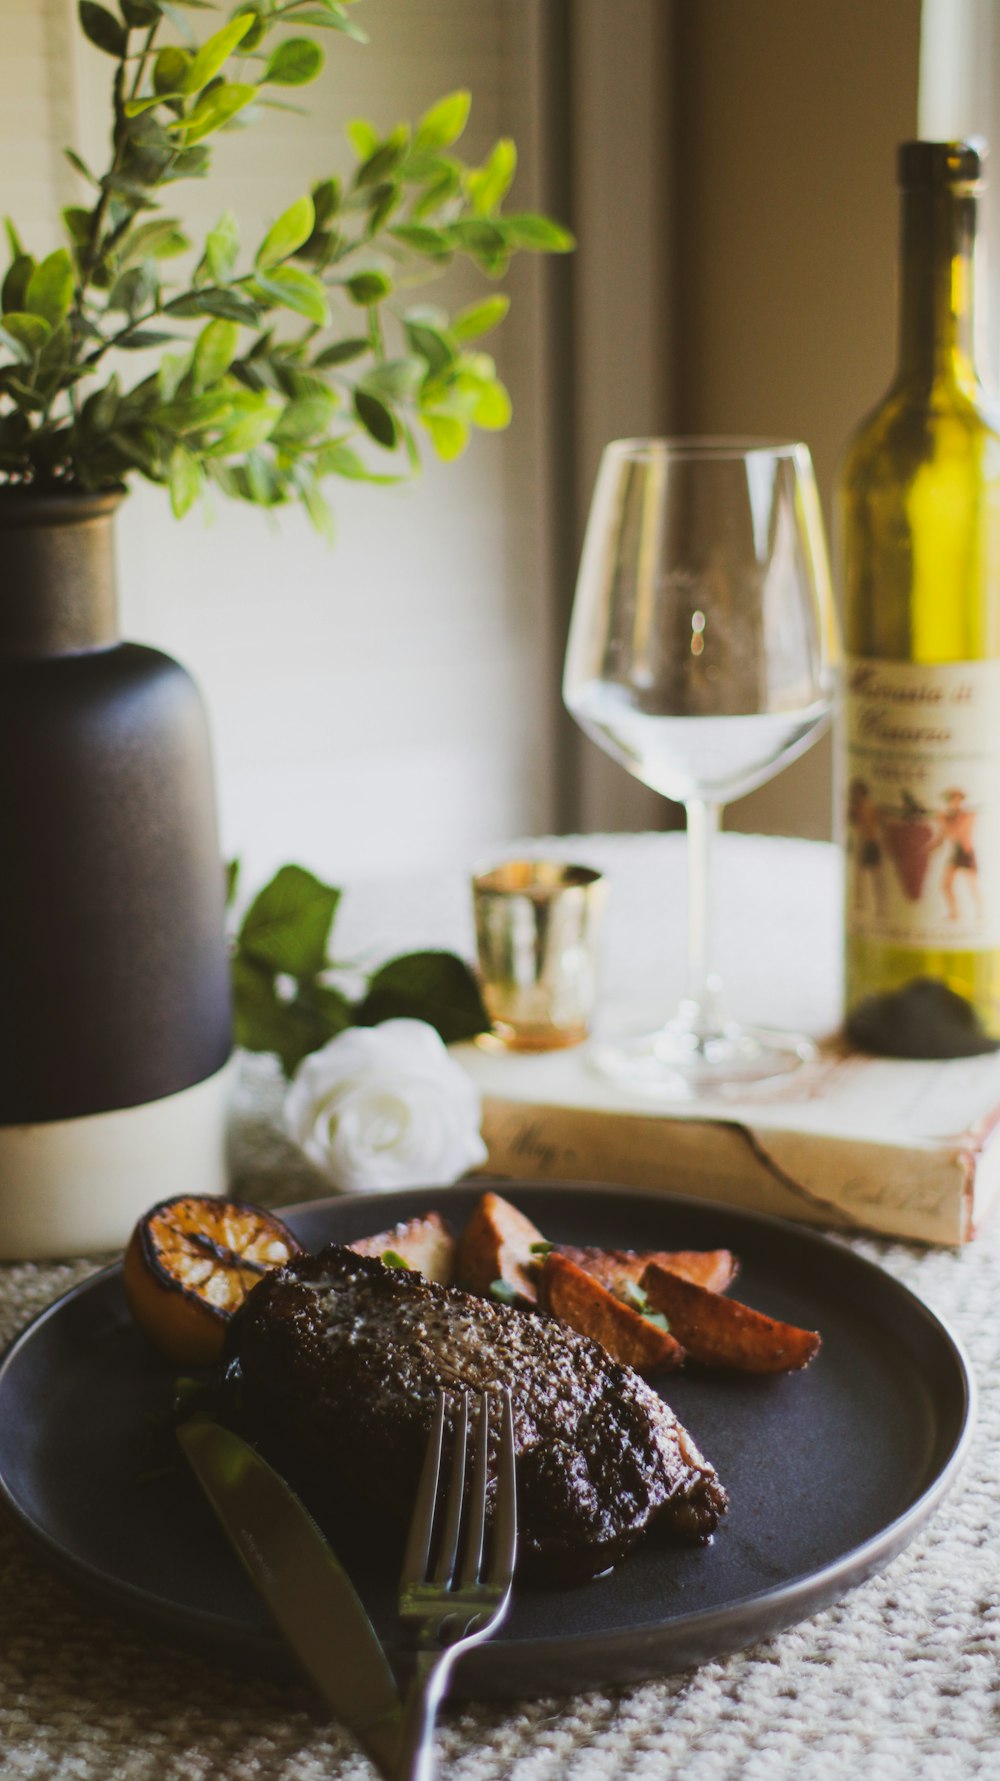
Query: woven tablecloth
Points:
[900, 1679]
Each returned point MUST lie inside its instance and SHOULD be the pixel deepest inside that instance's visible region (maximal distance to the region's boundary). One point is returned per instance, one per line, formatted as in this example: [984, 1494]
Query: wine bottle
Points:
[919, 533]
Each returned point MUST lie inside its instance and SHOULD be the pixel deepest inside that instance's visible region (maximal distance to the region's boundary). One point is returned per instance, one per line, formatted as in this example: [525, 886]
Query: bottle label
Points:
[922, 797]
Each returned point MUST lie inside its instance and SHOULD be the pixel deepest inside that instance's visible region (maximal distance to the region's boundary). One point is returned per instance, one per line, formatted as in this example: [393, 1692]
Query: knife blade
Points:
[298, 1576]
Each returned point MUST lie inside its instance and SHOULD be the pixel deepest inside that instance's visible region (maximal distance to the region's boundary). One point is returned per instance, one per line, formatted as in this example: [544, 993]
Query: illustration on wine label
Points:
[922, 803]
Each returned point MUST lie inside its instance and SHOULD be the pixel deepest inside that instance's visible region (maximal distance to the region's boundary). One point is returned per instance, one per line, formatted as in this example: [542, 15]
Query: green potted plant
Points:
[265, 373]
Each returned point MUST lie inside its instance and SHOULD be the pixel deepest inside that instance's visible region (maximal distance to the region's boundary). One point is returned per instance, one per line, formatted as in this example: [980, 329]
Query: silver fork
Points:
[447, 1603]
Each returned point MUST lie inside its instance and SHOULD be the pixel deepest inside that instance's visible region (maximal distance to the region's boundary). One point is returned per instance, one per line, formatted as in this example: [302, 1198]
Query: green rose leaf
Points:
[101, 28]
[215, 53]
[288, 924]
[293, 227]
[443, 124]
[50, 287]
[432, 986]
[263, 1021]
[294, 63]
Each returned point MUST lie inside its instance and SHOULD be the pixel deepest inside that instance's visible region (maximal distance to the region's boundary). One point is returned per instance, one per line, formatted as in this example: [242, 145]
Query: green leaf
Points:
[15, 285]
[140, 13]
[493, 408]
[448, 436]
[214, 352]
[215, 53]
[214, 108]
[395, 380]
[287, 926]
[363, 137]
[50, 288]
[315, 503]
[488, 185]
[343, 351]
[377, 420]
[298, 291]
[170, 69]
[444, 123]
[420, 238]
[294, 63]
[213, 302]
[538, 233]
[160, 239]
[435, 347]
[304, 420]
[222, 244]
[432, 986]
[263, 1021]
[14, 241]
[480, 318]
[79, 165]
[184, 479]
[77, 223]
[30, 331]
[293, 227]
[102, 28]
[232, 881]
[326, 200]
[366, 288]
[385, 158]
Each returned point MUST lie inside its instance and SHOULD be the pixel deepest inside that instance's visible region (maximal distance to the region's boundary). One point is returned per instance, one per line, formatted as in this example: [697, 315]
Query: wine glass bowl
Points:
[701, 657]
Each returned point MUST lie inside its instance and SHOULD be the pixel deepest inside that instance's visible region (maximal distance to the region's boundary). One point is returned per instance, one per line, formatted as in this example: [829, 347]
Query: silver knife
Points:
[297, 1575]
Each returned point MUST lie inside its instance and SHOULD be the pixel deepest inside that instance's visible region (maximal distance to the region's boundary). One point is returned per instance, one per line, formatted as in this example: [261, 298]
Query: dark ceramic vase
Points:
[115, 1020]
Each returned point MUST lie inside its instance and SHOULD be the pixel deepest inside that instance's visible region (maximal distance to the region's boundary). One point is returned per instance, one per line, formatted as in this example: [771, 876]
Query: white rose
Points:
[385, 1107]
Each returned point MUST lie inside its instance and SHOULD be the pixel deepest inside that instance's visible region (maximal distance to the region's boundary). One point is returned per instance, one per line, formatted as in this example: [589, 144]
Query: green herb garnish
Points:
[393, 1259]
[657, 1318]
[542, 1248]
[503, 1292]
[635, 1296]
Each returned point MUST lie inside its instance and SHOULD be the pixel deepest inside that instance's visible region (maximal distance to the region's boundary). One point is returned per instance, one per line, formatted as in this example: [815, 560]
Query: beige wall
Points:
[787, 116]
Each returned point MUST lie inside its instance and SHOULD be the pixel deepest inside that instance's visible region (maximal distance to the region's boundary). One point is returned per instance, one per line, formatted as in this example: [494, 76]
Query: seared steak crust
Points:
[340, 1359]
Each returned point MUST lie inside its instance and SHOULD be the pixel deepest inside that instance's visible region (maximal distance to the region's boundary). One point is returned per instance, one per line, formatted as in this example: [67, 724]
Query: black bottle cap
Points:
[941, 163]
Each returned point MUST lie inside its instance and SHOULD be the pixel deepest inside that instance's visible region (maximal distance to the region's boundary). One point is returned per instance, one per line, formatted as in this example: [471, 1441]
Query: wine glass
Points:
[701, 656]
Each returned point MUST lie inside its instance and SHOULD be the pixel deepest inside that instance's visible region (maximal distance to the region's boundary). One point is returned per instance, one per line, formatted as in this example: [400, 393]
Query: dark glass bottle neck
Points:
[937, 276]
[57, 574]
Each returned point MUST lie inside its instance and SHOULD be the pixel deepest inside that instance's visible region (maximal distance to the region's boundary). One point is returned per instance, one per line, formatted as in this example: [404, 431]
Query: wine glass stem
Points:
[705, 1010]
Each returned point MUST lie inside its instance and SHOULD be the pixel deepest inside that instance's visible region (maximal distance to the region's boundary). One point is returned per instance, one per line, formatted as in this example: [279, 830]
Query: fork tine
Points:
[448, 1551]
[504, 1553]
[472, 1551]
[418, 1543]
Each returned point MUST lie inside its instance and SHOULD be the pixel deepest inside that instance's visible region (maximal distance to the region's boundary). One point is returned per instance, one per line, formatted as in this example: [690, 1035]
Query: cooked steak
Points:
[338, 1360]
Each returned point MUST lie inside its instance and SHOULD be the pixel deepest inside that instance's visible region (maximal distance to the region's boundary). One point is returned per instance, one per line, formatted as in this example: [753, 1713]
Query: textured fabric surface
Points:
[900, 1679]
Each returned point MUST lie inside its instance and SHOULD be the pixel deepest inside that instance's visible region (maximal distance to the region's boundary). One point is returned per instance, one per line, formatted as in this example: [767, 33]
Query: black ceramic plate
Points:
[830, 1472]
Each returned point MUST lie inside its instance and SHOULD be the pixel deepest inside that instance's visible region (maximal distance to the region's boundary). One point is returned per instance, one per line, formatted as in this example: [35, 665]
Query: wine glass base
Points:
[676, 1062]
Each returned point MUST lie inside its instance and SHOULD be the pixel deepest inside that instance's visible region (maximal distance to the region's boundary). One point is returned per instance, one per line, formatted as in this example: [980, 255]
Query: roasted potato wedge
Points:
[424, 1244]
[581, 1301]
[497, 1245]
[618, 1268]
[720, 1332]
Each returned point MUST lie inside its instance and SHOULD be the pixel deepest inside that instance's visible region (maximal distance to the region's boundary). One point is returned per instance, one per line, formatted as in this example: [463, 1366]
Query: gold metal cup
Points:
[537, 927]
